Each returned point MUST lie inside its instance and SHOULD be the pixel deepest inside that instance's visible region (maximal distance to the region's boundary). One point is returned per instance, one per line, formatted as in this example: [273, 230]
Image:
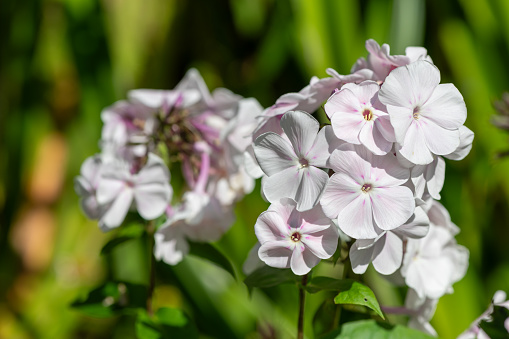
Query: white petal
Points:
[360, 258]
[170, 245]
[445, 107]
[392, 206]
[347, 126]
[311, 186]
[275, 254]
[303, 261]
[273, 153]
[323, 244]
[152, 199]
[301, 128]
[281, 185]
[414, 146]
[401, 118]
[388, 254]
[270, 227]
[416, 227]
[439, 140]
[347, 160]
[339, 192]
[356, 219]
[435, 177]
[115, 215]
[326, 142]
[108, 189]
[410, 85]
[466, 139]
[430, 278]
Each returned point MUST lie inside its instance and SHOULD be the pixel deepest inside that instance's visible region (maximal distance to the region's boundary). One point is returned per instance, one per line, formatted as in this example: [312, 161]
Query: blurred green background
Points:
[63, 61]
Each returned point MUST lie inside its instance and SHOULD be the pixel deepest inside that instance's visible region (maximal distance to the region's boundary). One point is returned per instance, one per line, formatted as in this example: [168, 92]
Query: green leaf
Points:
[112, 298]
[166, 323]
[212, 254]
[126, 233]
[269, 276]
[370, 329]
[350, 292]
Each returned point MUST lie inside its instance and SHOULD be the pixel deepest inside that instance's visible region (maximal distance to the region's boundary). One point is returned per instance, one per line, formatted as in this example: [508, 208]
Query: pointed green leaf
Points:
[370, 329]
[167, 323]
[269, 276]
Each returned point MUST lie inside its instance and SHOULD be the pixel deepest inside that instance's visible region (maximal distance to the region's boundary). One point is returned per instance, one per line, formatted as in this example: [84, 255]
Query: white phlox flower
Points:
[422, 310]
[292, 163]
[85, 186]
[366, 193]
[293, 239]
[426, 115]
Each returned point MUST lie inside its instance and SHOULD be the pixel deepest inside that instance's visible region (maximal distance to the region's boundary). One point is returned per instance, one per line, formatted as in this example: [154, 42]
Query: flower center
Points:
[296, 237]
[303, 163]
[366, 188]
[416, 113]
[367, 114]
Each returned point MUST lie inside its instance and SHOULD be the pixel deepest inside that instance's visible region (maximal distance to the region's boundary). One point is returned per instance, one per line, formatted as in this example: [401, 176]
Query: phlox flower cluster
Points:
[372, 176]
[203, 135]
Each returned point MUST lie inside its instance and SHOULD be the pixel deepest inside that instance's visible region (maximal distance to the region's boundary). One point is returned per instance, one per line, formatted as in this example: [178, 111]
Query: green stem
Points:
[152, 276]
[302, 299]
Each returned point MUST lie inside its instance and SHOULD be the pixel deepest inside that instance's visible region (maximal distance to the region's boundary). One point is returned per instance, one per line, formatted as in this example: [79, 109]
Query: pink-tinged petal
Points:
[283, 184]
[155, 171]
[108, 189]
[361, 257]
[322, 244]
[401, 119]
[392, 206]
[314, 220]
[325, 143]
[347, 160]
[356, 219]
[416, 227]
[445, 107]
[439, 140]
[270, 226]
[347, 126]
[276, 253]
[171, 245]
[339, 192]
[373, 140]
[417, 176]
[274, 154]
[365, 92]
[384, 126]
[387, 171]
[411, 85]
[414, 147]
[312, 184]
[303, 261]
[116, 213]
[301, 129]
[388, 254]
[343, 102]
[152, 199]
[250, 164]
[466, 139]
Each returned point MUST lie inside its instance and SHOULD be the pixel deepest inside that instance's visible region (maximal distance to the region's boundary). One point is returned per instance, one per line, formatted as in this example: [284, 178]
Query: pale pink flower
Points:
[293, 239]
[365, 193]
[149, 189]
[429, 177]
[85, 186]
[291, 163]
[466, 139]
[421, 312]
[358, 117]
[386, 250]
[426, 115]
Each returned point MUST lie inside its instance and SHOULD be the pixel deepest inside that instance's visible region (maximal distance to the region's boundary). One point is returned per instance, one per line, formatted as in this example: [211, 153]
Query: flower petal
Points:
[360, 257]
[275, 254]
[270, 226]
[152, 199]
[323, 244]
[392, 206]
[356, 219]
[281, 185]
[311, 186]
[415, 147]
[301, 128]
[388, 254]
[115, 215]
[303, 261]
[445, 107]
[339, 192]
[439, 140]
[274, 154]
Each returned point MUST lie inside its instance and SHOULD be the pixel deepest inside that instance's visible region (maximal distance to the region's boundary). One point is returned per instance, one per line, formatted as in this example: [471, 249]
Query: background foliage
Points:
[62, 61]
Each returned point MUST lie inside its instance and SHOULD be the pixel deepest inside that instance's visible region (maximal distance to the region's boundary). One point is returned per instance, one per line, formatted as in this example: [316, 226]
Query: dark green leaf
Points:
[370, 329]
[350, 292]
[212, 254]
[112, 298]
[496, 327]
[269, 276]
[337, 255]
[126, 233]
[172, 317]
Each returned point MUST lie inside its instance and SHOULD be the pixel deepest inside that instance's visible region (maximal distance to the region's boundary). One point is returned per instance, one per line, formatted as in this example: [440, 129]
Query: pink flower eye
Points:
[367, 114]
[366, 188]
[295, 237]
[416, 112]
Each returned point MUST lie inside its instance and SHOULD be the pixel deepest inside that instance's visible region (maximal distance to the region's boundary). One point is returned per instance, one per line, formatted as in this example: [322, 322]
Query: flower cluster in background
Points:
[376, 172]
[187, 129]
